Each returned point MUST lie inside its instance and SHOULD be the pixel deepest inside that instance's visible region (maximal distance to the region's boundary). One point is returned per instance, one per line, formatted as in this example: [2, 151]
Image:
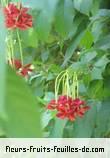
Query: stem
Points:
[67, 82]
[77, 90]
[9, 54]
[20, 46]
[76, 86]
[7, 2]
[12, 48]
[63, 85]
[73, 85]
[69, 90]
[2, 3]
[57, 84]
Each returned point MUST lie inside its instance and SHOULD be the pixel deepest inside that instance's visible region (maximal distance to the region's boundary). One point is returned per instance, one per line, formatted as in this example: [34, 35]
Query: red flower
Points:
[78, 102]
[16, 63]
[52, 105]
[25, 70]
[17, 17]
[68, 108]
[21, 70]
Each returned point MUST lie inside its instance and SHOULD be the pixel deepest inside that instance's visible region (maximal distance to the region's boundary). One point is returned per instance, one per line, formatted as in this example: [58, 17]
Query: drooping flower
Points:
[16, 16]
[52, 105]
[69, 108]
[15, 63]
[78, 102]
[22, 70]
[25, 70]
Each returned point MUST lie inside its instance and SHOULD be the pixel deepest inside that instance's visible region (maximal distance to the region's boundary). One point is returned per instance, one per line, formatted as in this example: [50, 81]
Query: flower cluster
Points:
[68, 107]
[21, 70]
[16, 16]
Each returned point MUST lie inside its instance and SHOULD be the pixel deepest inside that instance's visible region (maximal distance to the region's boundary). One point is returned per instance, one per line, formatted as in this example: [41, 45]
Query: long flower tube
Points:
[68, 104]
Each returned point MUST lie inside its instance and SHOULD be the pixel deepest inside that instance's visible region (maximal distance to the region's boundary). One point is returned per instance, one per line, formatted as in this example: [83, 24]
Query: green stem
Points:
[73, 86]
[63, 85]
[2, 3]
[67, 84]
[69, 90]
[20, 46]
[9, 54]
[57, 84]
[77, 90]
[7, 2]
[12, 48]
[76, 86]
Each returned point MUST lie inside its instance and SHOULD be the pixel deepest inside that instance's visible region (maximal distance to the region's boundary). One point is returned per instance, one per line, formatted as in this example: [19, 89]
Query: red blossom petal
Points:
[17, 17]
[71, 117]
[61, 115]
[68, 108]
[52, 105]
[16, 62]
[78, 102]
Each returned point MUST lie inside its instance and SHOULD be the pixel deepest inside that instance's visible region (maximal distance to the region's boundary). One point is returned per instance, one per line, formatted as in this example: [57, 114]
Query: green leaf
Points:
[102, 62]
[87, 40]
[99, 67]
[49, 96]
[97, 30]
[76, 38]
[71, 49]
[64, 18]
[59, 19]
[102, 13]
[95, 90]
[96, 73]
[57, 131]
[88, 56]
[84, 6]
[45, 19]
[45, 56]
[69, 15]
[103, 43]
[43, 26]
[102, 127]
[107, 87]
[46, 117]
[95, 7]
[37, 86]
[22, 117]
[29, 38]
